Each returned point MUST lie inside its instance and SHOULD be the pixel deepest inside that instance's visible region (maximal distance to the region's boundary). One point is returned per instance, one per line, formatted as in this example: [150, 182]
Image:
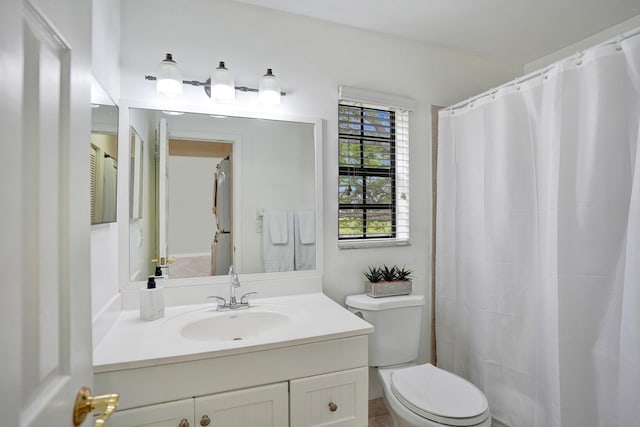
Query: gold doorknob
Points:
[86, 403]
[332, 407]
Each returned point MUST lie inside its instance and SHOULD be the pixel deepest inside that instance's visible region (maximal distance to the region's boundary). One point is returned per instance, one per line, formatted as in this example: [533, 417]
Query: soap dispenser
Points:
[151, 301]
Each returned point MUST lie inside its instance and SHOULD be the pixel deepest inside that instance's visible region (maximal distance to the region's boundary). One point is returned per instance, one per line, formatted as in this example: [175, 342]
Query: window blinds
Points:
[373, 183]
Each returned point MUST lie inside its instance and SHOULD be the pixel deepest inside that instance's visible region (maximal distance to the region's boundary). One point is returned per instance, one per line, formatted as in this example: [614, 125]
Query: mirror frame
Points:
[314, 276]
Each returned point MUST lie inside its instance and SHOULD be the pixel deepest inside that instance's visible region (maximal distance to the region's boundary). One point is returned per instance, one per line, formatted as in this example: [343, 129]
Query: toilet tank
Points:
[397, 322]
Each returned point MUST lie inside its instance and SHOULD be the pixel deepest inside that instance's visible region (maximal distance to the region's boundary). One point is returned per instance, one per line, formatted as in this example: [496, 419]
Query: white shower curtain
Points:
[538, 244]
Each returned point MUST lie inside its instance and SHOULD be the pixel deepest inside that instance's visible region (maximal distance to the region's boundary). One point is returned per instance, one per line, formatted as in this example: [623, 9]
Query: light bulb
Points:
[223, 88]
[269, 90]
[169, 78]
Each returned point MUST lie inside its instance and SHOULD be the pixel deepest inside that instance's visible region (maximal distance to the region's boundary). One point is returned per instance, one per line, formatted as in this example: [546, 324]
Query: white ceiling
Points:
[515, 30]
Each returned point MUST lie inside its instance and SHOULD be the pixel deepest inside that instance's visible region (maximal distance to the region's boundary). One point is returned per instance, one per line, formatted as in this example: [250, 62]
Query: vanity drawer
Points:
[266, 406]
[170, 414]
[336, 399]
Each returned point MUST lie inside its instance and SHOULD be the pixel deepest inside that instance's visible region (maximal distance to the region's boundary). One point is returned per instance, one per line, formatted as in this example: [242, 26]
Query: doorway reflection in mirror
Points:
[200, 207]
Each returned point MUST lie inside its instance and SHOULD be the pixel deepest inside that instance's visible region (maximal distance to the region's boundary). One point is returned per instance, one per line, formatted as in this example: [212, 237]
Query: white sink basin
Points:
[235, 325]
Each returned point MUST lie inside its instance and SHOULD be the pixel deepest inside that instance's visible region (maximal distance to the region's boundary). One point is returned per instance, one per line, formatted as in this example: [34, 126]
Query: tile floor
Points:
[378, 414]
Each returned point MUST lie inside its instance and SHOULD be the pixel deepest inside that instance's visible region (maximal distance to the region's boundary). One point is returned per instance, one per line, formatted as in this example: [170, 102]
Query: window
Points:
[373, 181]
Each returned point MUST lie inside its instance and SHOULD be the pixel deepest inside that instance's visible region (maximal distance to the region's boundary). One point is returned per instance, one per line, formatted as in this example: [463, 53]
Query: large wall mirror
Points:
[103, 155]
[217, 191]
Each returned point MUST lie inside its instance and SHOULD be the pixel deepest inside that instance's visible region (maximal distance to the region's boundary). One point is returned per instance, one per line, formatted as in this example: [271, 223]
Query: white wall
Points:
[311, 58]
[600, 37]
[104, 266]
[105, 65]
[105, 45]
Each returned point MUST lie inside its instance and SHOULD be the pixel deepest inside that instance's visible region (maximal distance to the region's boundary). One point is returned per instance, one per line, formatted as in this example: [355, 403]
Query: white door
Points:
[45, 309]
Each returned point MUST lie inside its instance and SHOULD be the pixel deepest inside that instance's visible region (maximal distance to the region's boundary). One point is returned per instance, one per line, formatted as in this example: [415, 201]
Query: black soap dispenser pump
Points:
[151, 301]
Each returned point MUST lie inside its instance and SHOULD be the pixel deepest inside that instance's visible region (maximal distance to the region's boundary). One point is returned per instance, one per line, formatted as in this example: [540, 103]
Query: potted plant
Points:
[387, 281]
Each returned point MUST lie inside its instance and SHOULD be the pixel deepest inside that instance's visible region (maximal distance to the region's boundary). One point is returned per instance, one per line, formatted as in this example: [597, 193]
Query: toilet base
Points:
[403, 417]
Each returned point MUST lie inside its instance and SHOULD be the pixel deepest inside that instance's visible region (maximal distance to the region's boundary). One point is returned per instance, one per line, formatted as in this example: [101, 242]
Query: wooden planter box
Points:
[387, 289]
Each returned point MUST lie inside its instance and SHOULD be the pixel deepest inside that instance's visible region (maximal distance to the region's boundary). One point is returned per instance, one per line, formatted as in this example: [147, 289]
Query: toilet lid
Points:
[439, 395]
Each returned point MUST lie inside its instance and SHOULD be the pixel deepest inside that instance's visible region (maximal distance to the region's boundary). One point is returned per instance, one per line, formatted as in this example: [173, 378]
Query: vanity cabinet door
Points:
[171, 414]
[336, 399]
[266, 406]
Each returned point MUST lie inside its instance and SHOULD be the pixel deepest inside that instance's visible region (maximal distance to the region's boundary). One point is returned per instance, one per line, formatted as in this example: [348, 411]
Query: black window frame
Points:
[365, 172]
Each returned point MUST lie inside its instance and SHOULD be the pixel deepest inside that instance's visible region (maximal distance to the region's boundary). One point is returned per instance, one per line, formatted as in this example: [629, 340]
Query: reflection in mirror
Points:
[103, 155]
[135, 175]
[200, 207]
[227, 191]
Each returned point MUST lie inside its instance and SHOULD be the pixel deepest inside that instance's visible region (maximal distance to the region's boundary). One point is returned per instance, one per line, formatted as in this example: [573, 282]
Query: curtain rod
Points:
[542, 71]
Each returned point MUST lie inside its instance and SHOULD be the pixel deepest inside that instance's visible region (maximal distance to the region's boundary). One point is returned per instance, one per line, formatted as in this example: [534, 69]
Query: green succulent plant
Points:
[388, 274]
[403, 273]
[373, 275]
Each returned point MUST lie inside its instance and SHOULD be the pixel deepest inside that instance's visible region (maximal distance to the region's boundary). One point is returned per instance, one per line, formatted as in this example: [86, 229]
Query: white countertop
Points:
[133, 343]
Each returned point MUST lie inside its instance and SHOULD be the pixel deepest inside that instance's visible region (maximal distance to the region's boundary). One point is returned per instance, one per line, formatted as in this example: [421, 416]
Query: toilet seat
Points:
[439, 396]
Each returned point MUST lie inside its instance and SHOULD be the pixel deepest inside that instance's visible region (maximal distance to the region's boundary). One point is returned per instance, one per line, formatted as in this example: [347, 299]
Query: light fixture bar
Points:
[207, 85]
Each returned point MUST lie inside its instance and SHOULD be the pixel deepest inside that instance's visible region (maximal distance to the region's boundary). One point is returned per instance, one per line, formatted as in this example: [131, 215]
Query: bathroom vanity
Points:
[286, 361]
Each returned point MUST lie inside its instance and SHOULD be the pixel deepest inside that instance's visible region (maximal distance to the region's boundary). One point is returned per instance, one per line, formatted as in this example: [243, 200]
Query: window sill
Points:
[373, 243]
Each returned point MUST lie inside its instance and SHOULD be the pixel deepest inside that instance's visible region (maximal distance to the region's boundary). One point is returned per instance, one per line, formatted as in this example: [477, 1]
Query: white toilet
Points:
[416, 395]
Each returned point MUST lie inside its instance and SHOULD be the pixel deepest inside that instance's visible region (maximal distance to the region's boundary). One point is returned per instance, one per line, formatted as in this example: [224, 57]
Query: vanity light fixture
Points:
[220, 87]
[269, 92]
[169, 80]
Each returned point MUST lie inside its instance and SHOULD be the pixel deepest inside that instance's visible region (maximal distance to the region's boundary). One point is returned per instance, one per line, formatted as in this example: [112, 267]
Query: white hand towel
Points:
[305, 247]
[278, 257]
[276, 224]
[306, 222]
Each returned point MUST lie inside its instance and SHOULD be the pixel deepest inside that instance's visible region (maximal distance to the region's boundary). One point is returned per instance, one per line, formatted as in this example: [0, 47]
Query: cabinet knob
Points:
[205, 421]
[332, 407]
[184, 423]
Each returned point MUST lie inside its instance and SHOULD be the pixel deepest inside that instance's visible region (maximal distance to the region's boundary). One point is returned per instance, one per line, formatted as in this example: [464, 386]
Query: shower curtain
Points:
[538, 247]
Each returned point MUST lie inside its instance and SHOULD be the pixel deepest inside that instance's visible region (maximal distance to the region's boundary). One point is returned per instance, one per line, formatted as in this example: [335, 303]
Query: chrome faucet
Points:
[233, 304]
[234, 282]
